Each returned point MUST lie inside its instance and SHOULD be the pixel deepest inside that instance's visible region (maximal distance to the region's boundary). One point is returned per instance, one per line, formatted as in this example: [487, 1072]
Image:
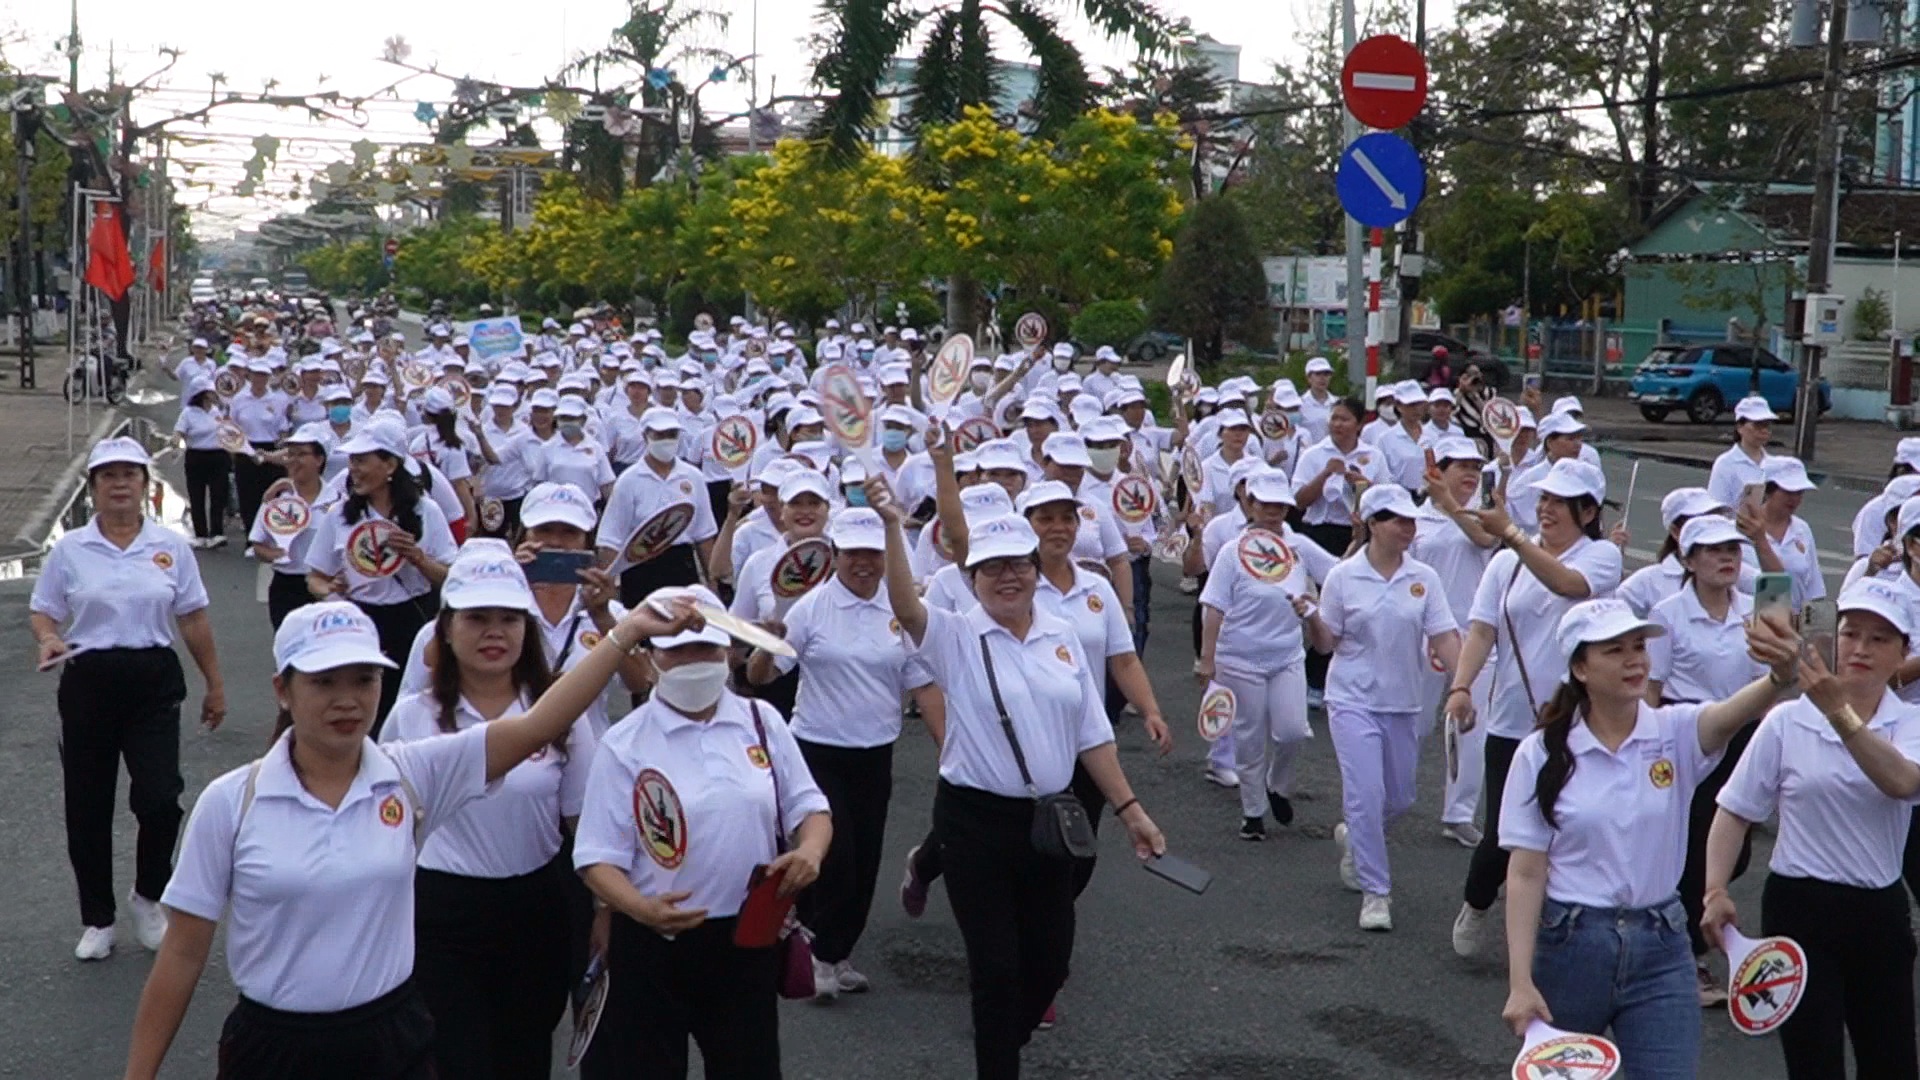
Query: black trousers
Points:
[1860, 953]
[388, 1038]
[1198, 611]
[250, 481]
[1335, 538]
[1142, 600]
[700, 986]
[928, 866]
[678, 565]
[1693, 877]
[1488, 869]
[398, 625]
[1014, 908]
[858, 784]
[491, 960]
[114, 704]
[285, 593]
[1910, 861]
[717, 497]
[207, 491]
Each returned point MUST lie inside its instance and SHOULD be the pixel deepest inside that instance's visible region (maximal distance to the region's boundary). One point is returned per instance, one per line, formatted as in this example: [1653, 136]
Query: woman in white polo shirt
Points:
[573, 457]
[854, 670]
[394, 574]
[1595, 815]
[659, 481]
[1651, 584]
[805, 504]
[1700, 656]
[208, 464]
[1745, 461]
[310, 853]
[108, 598]
[1838, 767]
[687, 797]
[492, 922]
[304, 456]
[1381, 614]
[1014, 676]
[1525, 591]
[1788, 534]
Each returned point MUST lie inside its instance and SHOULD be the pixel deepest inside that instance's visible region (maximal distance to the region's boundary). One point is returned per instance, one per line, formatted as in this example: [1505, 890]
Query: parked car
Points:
[1459, 354]
[1154, 346]
[1704, 380]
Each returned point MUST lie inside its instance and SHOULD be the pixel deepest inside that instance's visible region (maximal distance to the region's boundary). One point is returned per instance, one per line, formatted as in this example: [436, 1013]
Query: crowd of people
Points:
[461, 553]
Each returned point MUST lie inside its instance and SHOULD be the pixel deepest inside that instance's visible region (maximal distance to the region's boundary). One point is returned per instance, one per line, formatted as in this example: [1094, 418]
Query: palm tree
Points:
[956, 69]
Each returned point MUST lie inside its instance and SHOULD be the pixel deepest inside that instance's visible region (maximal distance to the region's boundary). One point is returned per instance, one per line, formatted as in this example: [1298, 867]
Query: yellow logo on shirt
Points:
[589, 639]
[893, 626]
[1065, 656]
[163, 560]
[759, 757]
[1086, 512]
[1095, 604]
[686, 487]
[1661, 773]
[1418, 590]
[391, 812]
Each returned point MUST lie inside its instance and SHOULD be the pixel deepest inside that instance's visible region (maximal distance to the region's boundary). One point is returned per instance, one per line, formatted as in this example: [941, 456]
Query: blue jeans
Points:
[1625, 969]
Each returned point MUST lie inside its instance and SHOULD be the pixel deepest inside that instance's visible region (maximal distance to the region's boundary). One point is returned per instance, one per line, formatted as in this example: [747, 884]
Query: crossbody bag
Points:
[1061, 829]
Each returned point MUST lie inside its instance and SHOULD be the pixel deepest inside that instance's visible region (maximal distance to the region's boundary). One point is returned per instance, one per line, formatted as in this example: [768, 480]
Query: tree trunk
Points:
[963, 299]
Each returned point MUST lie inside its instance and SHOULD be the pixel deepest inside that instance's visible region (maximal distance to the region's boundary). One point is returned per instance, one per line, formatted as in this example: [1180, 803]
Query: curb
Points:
[1846, 481]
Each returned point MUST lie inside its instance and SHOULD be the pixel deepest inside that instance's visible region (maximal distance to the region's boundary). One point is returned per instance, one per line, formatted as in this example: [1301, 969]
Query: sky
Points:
[338, 45]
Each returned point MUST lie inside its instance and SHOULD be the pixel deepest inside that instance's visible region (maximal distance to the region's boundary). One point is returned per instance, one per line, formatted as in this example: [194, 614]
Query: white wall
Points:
[1852, 278]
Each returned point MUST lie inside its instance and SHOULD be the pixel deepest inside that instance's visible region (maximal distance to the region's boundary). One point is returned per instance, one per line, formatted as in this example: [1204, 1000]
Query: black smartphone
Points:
[558, 567]
[1180, 872]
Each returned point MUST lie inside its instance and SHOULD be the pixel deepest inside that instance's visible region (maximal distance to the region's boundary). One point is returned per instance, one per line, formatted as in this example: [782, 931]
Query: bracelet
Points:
[1513, 535]
[613, 635]
[1125, 806]
[1452, 690]
[1846, 722]
[1782, 684]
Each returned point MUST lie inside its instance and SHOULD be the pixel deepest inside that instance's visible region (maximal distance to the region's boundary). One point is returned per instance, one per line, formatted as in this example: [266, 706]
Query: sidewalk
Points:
[1853, 454]
[37, 474]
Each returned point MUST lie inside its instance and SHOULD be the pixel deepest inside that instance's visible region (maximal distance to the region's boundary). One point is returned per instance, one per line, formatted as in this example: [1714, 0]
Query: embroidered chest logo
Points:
[1095, 604]
[1418, 590]
[163, 560]
[392, 813]
[661, 819]
[589, 639]
[1064, 656]
[1661, 773]
[759, 757]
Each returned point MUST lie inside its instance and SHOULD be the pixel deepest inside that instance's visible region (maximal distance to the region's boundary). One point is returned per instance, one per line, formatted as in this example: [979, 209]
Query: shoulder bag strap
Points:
[760, 729]
[1513, 638]
[573, 631]
[1006, 722]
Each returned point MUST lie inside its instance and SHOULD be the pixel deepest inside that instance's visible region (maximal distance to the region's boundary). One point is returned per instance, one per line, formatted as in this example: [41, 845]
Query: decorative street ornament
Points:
[266, 146]
[363, 153]
[563, 107]
[659, 78]
[425, 112]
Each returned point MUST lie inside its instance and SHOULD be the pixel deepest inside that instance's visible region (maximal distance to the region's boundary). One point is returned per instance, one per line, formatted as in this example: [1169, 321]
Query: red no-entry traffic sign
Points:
[1384, 82]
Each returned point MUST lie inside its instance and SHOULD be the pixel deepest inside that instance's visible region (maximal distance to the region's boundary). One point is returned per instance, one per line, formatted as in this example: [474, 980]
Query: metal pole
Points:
[1409, 231]
[1378, 238]
[1826, 212]
[1526, 311]
[1357, 371]
[23, 153]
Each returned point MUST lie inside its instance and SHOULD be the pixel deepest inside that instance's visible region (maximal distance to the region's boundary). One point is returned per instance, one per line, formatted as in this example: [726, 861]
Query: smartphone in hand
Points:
[551, 566]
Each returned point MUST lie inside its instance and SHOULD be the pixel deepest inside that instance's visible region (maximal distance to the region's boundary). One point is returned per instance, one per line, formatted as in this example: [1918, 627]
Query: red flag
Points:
[157, 266]
[109, 264]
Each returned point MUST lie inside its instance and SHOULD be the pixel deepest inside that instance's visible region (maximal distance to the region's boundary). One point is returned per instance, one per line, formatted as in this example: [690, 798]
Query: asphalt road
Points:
[1265, 976]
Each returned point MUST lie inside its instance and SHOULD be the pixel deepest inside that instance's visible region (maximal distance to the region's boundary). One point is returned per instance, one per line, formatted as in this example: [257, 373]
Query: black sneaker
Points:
[1253, 828]
[1281, 806]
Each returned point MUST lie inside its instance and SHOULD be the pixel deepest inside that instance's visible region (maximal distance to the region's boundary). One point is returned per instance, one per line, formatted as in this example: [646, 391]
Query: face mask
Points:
[1062, 363]
[663, 450]
[571, 428]
[709, 359]
[866, 355]
[778, 363]
[1105, 460]
[893, 439]
[856, 496]
[340, 414]
[692, 688]
[979, 381]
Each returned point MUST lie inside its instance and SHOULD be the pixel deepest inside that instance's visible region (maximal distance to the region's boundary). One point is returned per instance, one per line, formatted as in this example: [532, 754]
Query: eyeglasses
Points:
[999, 568]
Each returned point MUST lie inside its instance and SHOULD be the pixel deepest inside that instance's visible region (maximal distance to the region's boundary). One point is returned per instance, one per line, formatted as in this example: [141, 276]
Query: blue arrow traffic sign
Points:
[1381, 180]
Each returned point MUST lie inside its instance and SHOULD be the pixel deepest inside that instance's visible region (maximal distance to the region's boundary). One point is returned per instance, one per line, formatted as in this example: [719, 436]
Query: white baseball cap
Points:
[1568, 404]
[659, 420]
[1234, 418]
[1269, 485]
[1440, 393]
[1319, 364]
[1592, 621]
[1409, 393]
[120, 451]
[317, 434]
[1880, 598]
[804, 482]
[503, 394]
[1687, 502]
[1571, 478]
[566, 504]
[328, 635]
[1003, 537]
[1066, 448]
[543, 398]
[571, 408]
[1243, 470]
[1384, 499]
[1044, 492]
[857, 528]
[1708, 529]
[1561, 423]
[1909, 519]
[983, 502]
[486, 575]
[706, 635]
[1787, 473]
[1457, 448]
[1753, 408]
[375, 437]
[1907, 452]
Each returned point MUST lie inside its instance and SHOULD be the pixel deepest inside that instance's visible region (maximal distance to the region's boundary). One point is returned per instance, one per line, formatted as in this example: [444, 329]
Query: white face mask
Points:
[1105, 459]
[692, 688]
[663, 450]
[1062, 363]
[980, 381]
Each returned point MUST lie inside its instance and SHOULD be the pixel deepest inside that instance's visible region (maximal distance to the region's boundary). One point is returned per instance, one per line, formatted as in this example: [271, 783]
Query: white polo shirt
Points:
[1701, 658]
[683, 805]
[1099, 536]
[854, 666]
[1314, 414]
[321, 897]
[1649, 585]
[1800, 557]
[753, 597]
[1332, 508]
[1047, 685]
[297, 545]
[1092, 607]
[263, 418]
[326, 554]
[1732, 472]
[119, 599]
[949, 588]
[1461, 563]
[1835, 825]
[515, 828]
[755, 531]
[1259, 631]
[508, 478]
[1383, 625]
[1509, 591]
[198, 428]
[583, 464]
[1622, 840]
[640, 493]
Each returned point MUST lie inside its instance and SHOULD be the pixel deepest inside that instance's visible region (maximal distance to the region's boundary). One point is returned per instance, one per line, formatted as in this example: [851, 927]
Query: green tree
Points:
[1109, 322]
[1214, 288]
[349, 267]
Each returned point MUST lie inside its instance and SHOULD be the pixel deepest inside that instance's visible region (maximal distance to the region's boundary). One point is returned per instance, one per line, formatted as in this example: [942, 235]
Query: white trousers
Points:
[1465, 761]
[1269, 724]
[1377, 752]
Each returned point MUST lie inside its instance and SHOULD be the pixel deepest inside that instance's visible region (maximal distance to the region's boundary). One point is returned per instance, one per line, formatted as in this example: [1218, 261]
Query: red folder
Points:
[765, 911]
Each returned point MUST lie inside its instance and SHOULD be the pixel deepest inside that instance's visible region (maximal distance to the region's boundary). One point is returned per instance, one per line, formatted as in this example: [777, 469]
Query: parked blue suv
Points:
[1705, 380]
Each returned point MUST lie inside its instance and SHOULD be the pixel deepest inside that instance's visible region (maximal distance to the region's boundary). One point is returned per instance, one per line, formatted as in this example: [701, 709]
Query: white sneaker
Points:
[1376, 912]
[850, 980]
[1469, 927]
[95, 944]
[1348, 875]
[826, 981]
[1190, 585]
[1225, 778]
[149, 921]
[1461, 832]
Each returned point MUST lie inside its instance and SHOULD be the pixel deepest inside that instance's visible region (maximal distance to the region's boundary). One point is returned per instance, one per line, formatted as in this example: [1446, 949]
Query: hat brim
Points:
[343, 656]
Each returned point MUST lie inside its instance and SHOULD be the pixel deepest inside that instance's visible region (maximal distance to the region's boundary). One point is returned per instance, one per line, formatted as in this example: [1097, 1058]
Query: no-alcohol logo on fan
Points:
[1767, 985]
[1265, 556]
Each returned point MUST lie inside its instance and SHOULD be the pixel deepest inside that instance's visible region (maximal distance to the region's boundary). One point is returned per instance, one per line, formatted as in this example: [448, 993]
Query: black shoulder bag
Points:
[1060, 826]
